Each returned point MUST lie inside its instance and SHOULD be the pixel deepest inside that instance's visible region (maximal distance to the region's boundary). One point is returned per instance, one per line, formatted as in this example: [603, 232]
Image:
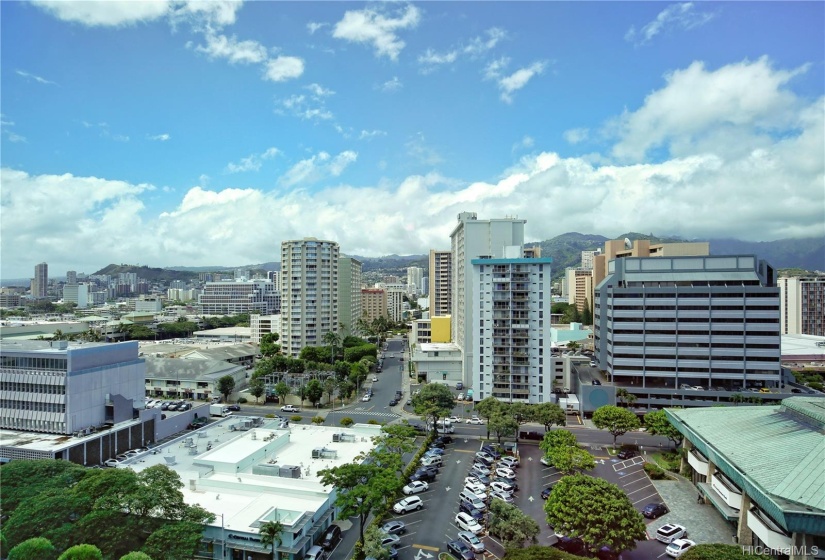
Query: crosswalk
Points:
[366, 411]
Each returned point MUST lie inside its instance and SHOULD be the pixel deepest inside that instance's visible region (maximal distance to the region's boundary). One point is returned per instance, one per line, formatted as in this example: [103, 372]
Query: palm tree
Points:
[333, 339]
[270, 533]
[58, 335]
[622, 394]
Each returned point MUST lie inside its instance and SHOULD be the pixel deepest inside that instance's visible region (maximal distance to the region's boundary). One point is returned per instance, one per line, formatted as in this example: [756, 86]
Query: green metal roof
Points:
[780, 449]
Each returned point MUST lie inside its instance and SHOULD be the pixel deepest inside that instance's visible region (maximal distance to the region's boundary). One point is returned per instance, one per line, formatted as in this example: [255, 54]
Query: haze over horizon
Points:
[171, 132]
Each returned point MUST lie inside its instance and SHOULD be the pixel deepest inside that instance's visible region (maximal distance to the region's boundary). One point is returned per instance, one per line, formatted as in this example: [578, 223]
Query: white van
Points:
[443, 426]
[469, 496]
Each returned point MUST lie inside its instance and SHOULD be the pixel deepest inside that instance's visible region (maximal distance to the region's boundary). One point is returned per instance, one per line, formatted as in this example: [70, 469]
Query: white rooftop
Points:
[439, 347]
[796, 346]
[233, 470]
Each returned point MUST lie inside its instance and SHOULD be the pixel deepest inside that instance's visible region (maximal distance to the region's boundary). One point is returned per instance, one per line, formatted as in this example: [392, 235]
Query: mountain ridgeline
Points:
[565, 250]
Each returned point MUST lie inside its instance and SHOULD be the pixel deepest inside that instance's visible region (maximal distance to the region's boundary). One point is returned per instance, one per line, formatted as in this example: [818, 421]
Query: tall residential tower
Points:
[309, 292]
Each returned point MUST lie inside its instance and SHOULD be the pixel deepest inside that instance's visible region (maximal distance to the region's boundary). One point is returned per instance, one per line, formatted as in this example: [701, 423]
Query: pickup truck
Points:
[289, 408]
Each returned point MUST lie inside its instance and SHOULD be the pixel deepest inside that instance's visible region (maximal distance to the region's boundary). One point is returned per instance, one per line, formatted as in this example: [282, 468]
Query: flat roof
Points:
[803, 347]
[53, 443]
[779, 448]
[439, 347]
[220, 466]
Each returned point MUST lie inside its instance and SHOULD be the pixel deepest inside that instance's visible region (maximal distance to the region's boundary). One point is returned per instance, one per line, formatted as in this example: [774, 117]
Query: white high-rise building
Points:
[259, 325]
[71, 277]
[77, 294]
[415, 280]
[588, 258]
[472, 239]
[230, 298]
[309, 292]
[802, 305]
[349, 294]
[511, 328]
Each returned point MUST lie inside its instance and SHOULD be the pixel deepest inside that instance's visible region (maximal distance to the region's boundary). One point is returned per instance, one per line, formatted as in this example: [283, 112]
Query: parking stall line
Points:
[425, 547]
[641, 479]
[645, 498]
[640, 489]
[629, 474]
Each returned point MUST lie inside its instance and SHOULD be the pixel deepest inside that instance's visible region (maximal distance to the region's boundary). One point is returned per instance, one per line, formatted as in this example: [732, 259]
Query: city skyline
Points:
[210, 132]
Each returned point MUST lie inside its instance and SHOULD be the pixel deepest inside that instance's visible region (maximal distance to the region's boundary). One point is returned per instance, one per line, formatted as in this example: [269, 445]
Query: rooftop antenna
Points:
[627, 243]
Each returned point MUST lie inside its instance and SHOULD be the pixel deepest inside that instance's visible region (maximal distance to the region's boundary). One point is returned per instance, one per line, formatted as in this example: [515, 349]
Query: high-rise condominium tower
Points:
[349, 294]
[415, 275]
[471, 239]
[441, 283]
[40, 284]
[309, 292]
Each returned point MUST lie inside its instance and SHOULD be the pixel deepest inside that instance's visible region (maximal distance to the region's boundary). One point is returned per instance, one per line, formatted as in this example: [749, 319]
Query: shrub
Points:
[33, 549]
[318, 420]
[347, 421]
[373, 421]
[295, 418]
[137, 555]
[242, 400]
[270, 416]
[719, 552]
[82, 552]
[654, 471]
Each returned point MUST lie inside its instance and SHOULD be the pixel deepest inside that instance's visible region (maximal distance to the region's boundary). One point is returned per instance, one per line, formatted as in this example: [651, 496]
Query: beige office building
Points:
[373, 304]
[802, 305]
[309, 292]
[579, 283]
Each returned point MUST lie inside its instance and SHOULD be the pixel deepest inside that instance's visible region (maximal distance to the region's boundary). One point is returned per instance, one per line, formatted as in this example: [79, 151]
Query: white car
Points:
[365, 398]
[478, 467]
[498, 486]
[407, 505]
[503, 496]
[460, 397]
[415, 487]
[466, 522]
[475, 420]
[670, 532]
[112, 463]
[476, 488]
[485, 457]
[510, 462]
[289, 408]
[474, 480]
[544, 461]
[504, 472]
[454, 419]
[678, 547]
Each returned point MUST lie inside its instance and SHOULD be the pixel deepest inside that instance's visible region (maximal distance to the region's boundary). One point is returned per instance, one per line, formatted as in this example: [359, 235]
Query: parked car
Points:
[408, 504]
[460, 550]
[480, 469]
[510, 462]
[366, 398]
[394, 527]
[460, 397]
[652, 511]
[592, 363]
[626, 454]
[393, 402]
[444, 439]
[390, 540]
[494, 452]
[475, 544]
[678, 547]
[459, 386]
[476, 488]
[331, 537]
[670, 532]
[232, 407]
[375, 379]
[465, 522]
[546, 492]
[478, 479]
[435, 451]
[596, 382]
[607, 553]
[289, 408]
[504, 472]
[499, 486]
[544, 461]
[511, 482]
[475, 420]
[454, 419]
[486, 458]
[468, 508]
[415, 487]
[572, 545]
[316, 553]
[503, 496]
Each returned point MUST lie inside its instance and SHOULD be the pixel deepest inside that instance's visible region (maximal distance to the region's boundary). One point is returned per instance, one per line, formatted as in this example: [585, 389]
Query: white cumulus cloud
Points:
[509, 84]
[391, 86]
[378, 29]
[711, 108]
[252, 162]
[104, 12]
[576, 135]
[160, 137]
[284, 68]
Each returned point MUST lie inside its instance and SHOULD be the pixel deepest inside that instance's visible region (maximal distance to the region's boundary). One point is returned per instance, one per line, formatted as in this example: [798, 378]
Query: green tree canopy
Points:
[557, 438]
[174, 541]
[502, 425]
[719, 552]
[568, 459]
[136, 555]
[617, 421]
[314, 391]
[82, 552]
[226, 385]
[268, 346]
[282, 390]
[433, 402]
[36, 548]
[362, 488]
[658, 424]
[257, 387]
[372, 543]
[549, 415]
[26, 479]
[596, 511]
[511, 525]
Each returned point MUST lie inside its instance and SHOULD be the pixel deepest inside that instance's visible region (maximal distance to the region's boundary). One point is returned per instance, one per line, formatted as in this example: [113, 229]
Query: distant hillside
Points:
[393, 263]
[806, 253]
[147, 273]
[267, 266]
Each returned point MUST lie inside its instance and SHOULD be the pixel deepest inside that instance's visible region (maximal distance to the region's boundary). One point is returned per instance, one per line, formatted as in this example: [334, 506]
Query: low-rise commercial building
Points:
[762, 468]
[195, 378]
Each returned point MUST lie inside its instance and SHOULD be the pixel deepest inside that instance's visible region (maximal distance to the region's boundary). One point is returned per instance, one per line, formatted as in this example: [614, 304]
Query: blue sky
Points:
[205, 133]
